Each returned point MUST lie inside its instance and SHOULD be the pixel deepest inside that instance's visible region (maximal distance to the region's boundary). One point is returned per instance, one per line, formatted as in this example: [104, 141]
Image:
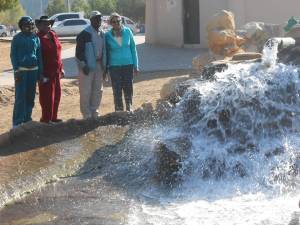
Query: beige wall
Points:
[164, 24]
[164, 18]
[271, 11]
[207, 9]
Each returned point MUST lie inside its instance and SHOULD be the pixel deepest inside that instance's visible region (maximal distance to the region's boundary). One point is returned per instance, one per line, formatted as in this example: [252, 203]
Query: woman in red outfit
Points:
[49, 86]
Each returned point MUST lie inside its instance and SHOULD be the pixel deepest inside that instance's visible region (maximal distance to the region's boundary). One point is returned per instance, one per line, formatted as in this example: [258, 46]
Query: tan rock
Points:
[246, 56]
[223, 20]
[294, 32]
[202, 60]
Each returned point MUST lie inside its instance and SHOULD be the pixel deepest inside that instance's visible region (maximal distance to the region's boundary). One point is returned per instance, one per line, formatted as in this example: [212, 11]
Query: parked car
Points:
[59, 17]
[125, 21]
[70, 27]
[3, 31]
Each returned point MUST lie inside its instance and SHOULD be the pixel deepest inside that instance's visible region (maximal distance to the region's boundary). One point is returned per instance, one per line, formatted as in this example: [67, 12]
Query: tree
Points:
[56, 6]
[12, 16]
[80, 6]
[104, 6]
[7, 4]
[134, 9]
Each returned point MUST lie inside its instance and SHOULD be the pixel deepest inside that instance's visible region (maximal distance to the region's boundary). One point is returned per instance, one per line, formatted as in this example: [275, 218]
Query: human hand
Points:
[17, 77]
[86, 70]
[44, 80]
[62, 75]
[135, 72]
[105, 76]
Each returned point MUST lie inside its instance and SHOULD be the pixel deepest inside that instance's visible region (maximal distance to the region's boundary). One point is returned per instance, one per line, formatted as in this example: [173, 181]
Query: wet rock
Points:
[217, 133]
[213, 168]
[163, 110]
[191, 108]
[213, 123]
[145, 112]
[286, 122]
[224, 117]
[210, 70]
[246, 56]
[182, 145]
[239, 170]
[274, 152]
[174, 90]
[237, 150]
[168, 164]
[240, 135]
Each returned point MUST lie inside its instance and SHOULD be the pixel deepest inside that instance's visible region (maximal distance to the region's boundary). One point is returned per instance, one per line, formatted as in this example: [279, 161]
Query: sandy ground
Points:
[147, 88]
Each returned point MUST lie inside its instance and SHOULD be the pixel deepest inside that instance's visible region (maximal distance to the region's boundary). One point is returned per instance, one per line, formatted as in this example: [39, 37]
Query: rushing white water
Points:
[243, 166]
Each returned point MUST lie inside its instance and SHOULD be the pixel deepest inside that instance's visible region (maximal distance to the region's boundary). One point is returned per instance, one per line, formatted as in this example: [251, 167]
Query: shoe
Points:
[56, 121]
[129, 108]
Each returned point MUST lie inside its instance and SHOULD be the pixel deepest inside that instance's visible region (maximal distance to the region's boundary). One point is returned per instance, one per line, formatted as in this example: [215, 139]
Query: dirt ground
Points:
[147, 87]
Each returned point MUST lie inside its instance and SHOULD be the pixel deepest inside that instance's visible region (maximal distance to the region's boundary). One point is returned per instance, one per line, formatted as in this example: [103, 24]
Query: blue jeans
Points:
[122, 82]
[25, 86]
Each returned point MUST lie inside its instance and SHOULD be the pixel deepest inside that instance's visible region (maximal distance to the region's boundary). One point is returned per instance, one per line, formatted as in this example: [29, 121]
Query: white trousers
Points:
[90, 90]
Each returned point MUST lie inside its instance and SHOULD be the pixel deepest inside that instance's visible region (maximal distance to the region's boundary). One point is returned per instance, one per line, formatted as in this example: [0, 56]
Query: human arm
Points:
[134, 54]
[13, 54]
[39, 57]
[79, 53]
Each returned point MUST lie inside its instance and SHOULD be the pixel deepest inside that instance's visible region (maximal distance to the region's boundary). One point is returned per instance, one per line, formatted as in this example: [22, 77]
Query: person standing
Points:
[50, 86]
[27, 63]
[91, 61]
[122, 62]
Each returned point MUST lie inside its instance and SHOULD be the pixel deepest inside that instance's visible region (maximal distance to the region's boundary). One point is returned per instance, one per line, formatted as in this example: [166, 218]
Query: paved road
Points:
[152, 58]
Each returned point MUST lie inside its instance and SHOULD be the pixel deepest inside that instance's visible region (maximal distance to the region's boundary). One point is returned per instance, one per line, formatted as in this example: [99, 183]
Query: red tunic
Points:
[50, 92]
[51, 53]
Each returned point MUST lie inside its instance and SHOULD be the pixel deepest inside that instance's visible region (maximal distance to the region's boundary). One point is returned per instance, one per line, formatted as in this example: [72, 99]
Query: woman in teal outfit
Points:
[122, 62]
[26, 60]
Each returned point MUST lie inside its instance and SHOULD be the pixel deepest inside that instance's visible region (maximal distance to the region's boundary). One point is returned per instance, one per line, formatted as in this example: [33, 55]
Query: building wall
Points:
[271, 11]
[164, 18]
[164, 23]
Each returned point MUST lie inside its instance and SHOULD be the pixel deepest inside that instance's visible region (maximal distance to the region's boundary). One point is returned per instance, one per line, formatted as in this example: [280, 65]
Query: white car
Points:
[70, 27]
[3, 31]
[125, 21]
[59, 17]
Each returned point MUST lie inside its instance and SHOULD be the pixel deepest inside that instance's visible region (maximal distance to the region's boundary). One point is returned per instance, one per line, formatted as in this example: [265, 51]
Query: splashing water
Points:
[238, 138]
[244, 163]
[270, 51]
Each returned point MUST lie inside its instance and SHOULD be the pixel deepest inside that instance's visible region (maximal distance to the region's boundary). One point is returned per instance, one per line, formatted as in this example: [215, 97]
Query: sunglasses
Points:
[116, 21]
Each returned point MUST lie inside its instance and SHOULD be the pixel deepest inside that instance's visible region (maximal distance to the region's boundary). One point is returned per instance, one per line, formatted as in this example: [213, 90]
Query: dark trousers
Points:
[24, 96]
[50, 93]
[122, 82]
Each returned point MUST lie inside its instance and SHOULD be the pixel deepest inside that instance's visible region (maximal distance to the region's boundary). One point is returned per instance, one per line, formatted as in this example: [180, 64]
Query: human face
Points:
[116, 23]
[96, 22]
[44, 26]
[27, 28]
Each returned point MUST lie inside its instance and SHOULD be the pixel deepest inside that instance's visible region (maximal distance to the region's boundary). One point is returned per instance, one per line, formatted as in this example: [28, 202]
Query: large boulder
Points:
[222, 38]
[168, 164]
[221, 21]
[294, 32]
[257, 33]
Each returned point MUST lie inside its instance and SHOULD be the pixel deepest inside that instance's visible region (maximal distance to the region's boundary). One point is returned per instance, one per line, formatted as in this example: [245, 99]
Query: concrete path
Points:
[152, 58]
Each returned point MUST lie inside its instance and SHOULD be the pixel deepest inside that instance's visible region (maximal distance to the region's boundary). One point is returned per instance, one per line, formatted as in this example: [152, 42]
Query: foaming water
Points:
[244, 163]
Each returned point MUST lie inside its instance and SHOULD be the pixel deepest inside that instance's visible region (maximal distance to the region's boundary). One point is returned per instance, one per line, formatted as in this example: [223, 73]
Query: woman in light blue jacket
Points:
[122, 62]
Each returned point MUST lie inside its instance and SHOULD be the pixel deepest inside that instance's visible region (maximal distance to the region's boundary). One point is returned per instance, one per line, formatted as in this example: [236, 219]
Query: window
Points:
[69, 23]
[67, 16]
[1, 27]
[74, 22]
